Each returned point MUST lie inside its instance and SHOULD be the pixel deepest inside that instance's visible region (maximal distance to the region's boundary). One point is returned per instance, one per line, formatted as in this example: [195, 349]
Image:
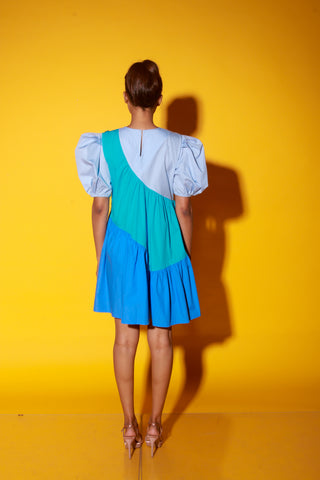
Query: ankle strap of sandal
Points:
[157, 425]
[125, 427]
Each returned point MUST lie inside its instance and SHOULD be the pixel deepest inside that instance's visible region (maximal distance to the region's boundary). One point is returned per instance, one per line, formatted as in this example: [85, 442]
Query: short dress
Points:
[145, 276]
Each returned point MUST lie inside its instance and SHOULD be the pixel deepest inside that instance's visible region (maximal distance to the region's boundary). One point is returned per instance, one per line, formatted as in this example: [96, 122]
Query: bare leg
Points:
[160, 343]
[124, 351]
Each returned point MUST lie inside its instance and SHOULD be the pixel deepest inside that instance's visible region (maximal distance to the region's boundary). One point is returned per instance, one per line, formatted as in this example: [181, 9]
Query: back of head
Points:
[143, 84]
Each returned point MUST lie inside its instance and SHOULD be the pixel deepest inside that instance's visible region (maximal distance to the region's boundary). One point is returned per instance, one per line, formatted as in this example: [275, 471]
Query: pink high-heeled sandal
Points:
[154, 440]
[131, 441]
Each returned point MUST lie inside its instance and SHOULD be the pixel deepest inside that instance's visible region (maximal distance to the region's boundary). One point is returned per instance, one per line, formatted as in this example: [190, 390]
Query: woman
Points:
[144, 273]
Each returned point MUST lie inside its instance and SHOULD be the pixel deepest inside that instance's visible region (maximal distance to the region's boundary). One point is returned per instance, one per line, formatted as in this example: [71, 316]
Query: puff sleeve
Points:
[190, 176]
[92, 167]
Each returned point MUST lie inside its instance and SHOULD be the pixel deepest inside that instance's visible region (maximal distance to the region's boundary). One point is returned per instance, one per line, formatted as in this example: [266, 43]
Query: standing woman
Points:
[144, 272]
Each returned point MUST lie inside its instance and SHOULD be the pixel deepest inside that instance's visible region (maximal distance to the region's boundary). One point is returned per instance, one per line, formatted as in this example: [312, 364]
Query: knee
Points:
[160, 339]
[126, 342]
[127, 338]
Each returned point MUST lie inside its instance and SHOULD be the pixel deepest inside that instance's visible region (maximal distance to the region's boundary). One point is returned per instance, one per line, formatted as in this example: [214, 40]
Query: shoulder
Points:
[169, 133]
[185, 140]
[91, 136]
[191, 142]
[88, 139]
[172, 139]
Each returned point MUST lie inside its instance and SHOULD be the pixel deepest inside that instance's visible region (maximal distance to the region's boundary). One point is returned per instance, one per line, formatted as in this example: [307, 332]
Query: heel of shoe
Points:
[153, 445]
[154, 441]
[130, 443]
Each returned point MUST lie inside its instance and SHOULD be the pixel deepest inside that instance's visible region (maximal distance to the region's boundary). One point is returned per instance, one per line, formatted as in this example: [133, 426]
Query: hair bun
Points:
[143, 84]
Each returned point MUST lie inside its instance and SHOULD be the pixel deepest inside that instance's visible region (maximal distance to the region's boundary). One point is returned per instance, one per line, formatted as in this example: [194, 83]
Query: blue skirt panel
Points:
[127, 289]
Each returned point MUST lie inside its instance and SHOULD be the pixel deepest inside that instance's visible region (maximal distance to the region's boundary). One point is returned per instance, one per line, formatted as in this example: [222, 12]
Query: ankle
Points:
[154, 428]
[155, 420]
[130, 420]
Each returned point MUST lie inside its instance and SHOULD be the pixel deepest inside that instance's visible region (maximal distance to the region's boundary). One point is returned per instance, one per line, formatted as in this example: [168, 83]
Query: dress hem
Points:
[186, 322]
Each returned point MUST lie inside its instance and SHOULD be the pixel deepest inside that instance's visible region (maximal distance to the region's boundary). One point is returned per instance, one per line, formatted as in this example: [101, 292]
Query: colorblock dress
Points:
[145, 275]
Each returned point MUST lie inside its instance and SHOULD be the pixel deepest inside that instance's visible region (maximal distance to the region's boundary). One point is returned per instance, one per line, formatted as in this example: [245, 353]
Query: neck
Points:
[142, 119]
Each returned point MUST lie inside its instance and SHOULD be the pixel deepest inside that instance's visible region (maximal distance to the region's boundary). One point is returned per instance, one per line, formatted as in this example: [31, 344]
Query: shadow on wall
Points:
[220, 202]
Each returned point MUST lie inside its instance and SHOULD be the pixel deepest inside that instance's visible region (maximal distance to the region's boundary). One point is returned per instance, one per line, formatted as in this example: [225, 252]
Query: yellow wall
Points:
[252, 70]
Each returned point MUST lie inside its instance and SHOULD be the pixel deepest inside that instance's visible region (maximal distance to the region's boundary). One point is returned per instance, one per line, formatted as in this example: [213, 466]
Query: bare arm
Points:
[100, 210]
[184, 214]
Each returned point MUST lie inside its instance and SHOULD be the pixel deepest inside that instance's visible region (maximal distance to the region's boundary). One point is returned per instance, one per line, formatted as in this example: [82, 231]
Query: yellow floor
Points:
[232, 446]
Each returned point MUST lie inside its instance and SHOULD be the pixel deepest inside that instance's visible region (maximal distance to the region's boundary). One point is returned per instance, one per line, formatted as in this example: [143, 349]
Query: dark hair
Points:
[143, 84]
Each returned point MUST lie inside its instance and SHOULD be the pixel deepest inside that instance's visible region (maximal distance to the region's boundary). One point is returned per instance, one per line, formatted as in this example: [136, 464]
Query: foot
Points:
[154, 429]
[131, 430]
[154, 436]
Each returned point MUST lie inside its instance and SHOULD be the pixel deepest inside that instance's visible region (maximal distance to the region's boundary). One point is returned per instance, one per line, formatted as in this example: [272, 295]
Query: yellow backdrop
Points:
[243, 76]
